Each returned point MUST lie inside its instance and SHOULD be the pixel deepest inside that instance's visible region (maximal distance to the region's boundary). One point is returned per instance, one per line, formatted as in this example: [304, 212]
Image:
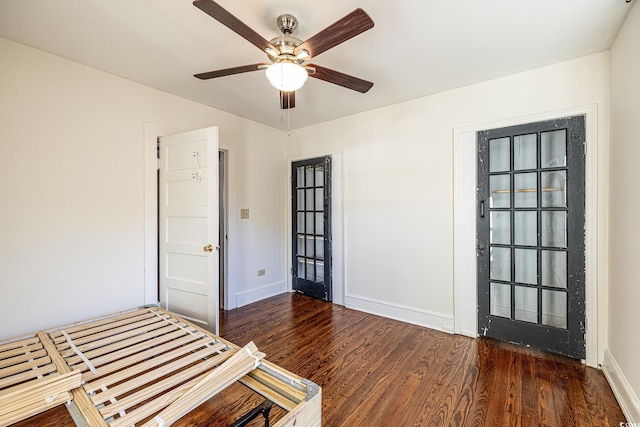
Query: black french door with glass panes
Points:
[311, 217]
[530, 235]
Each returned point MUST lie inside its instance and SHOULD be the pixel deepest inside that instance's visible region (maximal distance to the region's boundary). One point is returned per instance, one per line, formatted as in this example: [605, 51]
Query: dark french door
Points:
[311, 203]
[530, 235]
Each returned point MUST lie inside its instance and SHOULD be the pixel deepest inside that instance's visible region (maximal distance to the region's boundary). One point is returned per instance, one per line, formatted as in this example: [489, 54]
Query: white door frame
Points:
[464, 225]
[151, 134]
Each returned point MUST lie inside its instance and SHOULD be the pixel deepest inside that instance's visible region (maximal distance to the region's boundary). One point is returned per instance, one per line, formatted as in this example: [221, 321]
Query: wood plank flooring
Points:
[380, 372]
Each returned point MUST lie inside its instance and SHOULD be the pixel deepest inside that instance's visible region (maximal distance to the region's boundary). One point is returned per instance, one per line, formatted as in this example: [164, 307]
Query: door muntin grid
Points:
[528, 227]
[310, 222]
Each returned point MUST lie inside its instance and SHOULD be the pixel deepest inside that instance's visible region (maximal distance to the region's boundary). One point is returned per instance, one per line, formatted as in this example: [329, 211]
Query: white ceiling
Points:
[416, 48]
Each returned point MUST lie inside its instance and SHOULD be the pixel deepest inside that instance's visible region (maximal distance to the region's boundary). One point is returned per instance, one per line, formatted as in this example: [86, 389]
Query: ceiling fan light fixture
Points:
[286, 76]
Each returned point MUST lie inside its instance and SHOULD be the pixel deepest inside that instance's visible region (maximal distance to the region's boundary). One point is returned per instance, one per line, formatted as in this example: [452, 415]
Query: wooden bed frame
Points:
[144, 366]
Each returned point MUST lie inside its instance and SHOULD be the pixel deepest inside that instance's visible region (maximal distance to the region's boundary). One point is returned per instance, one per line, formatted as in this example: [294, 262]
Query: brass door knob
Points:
[208, 248]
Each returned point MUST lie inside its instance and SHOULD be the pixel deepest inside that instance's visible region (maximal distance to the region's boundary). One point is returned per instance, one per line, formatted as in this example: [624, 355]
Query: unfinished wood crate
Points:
[146, 364]
[30, 382]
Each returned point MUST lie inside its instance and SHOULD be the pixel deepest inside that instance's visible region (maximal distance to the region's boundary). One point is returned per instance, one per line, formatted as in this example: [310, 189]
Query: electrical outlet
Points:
[262, 272]
[244, 213]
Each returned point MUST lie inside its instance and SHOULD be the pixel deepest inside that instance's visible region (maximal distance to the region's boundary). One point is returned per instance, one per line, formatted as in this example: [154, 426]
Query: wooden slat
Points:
[269, 393]
[153, 363]
[120, 348]
[147, 377]
[38, 392]
[32, 409]
[21, 350]
[163, 399]
[26, 376]
[71, 329]
[24, 366]
[241, 363]
[113, 335]
[82, 401]
[90, 334]
[22, 358]
[139, 352]
[18, 343]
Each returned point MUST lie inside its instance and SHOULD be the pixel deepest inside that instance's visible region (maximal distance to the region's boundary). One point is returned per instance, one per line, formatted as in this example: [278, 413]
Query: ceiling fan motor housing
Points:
[287, 23]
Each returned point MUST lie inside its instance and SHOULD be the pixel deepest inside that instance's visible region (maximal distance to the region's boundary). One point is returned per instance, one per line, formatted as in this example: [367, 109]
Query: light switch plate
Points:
[244, 213]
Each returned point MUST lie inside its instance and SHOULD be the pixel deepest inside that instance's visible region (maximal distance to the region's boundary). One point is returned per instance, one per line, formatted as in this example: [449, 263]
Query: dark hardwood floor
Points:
[380, 372]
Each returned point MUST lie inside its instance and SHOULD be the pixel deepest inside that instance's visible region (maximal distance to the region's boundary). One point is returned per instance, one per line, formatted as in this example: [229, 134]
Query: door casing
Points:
[465, 159]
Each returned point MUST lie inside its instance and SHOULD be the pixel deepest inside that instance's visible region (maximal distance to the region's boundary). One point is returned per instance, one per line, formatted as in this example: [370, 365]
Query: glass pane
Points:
[526, 228]
[499, 155]
[554, 189]
[319, 223]
[319, 248]
[554, 269]
[310, 229]
[526, 304]
[309, 199]
[526, 266]
[554, 228]
[311, 275]
[308, 172]
[500, 300]
[553, 148]
[300, 200]
[319, 176]
[301, 245]
[319, 199]
[301, 272]
[554, 308]
[499, 189]
[310, 246]
[524, 152]
[526, 190]
[300, 177]
[301, 228]
[500, 228]
[500, 264]
[319, 271]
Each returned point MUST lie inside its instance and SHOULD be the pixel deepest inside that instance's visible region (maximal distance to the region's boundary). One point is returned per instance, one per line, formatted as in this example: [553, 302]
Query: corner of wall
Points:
[628, 400]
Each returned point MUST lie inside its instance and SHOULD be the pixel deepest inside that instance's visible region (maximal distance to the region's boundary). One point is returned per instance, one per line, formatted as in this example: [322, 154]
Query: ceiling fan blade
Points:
[223, 16]
[229, 71]
[341, 79]
[287, 100]
[342, 30]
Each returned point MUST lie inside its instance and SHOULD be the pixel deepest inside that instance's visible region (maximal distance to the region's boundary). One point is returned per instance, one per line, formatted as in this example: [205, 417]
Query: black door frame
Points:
[571, 341]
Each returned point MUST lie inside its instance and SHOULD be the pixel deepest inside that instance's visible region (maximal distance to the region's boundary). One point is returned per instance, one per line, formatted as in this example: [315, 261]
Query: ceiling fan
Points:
[288, 55]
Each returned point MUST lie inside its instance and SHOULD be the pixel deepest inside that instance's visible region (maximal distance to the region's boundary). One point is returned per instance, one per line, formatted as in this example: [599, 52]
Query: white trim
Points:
[257, 294]
[417, 316]
[464, 147]
[337, 223]
[627, 398]
[151, 133]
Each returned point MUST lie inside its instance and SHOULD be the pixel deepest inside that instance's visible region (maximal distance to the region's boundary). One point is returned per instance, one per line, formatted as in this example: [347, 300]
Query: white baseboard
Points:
[258, 294]
[428, 319]
[627, 398]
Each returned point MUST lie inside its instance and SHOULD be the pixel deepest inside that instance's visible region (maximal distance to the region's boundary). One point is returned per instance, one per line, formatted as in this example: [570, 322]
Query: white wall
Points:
[398, 183]
[621, 365]
[72, 190]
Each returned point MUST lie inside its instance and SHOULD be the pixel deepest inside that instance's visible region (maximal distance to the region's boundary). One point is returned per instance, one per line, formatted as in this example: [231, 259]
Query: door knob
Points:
[208, 248]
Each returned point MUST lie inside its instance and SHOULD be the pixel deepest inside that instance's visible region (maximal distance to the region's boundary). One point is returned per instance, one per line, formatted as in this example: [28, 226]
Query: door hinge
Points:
[157, 164]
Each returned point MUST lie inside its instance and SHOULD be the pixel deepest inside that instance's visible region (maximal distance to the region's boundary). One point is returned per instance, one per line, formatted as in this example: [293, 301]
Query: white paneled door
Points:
[188, 225]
